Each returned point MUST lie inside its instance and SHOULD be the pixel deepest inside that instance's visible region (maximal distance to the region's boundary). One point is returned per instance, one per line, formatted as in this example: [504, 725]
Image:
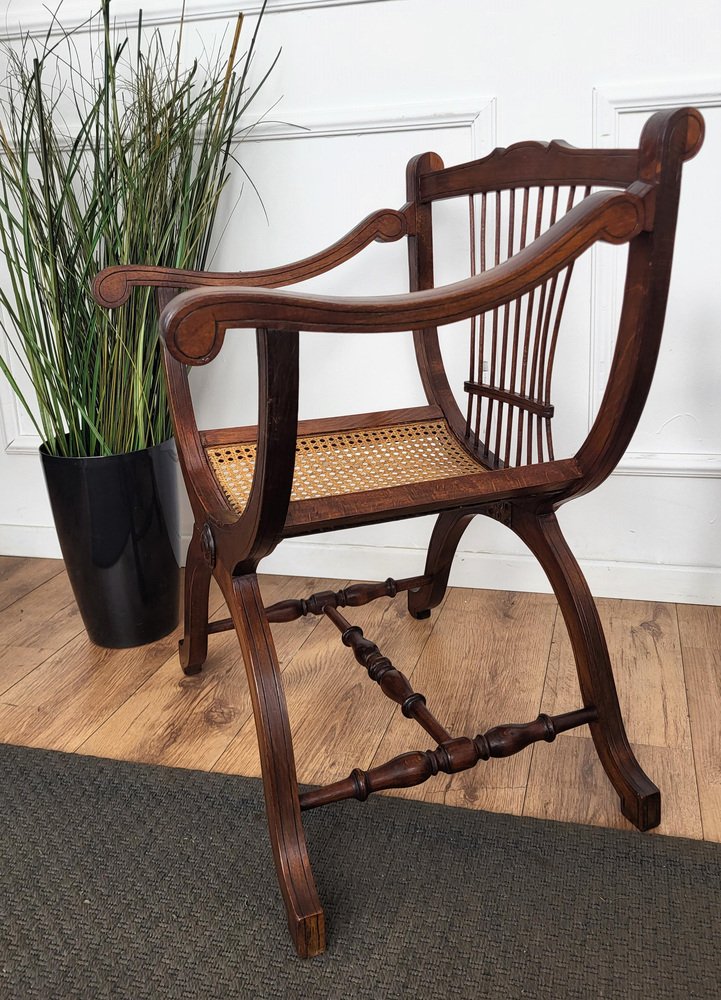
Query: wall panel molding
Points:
[610, 104]
[478, 114]
[18, 434]
[18, 20]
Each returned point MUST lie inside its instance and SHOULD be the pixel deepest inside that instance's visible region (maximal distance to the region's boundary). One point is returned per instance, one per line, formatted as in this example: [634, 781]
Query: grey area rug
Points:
[122, 880]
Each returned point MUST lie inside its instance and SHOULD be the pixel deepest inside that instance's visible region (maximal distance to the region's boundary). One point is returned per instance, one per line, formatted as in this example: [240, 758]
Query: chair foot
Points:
[644, 811]
[189, 669]
[640, 798]
[295, 877]
[193, 647]
[447, 532]
[308, 934]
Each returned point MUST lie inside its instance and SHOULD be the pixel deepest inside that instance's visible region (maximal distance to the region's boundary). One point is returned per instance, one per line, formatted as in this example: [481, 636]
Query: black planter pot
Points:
[112, 516]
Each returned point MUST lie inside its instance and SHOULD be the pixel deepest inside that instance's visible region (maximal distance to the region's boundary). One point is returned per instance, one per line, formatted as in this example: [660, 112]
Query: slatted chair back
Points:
[513, 196]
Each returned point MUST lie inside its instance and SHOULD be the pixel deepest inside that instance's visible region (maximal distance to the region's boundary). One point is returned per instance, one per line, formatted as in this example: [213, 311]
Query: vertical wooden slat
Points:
[472, 364]
[552, 354]
[514, 411]
[481, 322]
[534, 367]
[505, 412]
[494, 329]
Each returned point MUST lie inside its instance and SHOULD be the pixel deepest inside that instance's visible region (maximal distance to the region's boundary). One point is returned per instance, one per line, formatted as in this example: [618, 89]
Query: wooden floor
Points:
[484, 658]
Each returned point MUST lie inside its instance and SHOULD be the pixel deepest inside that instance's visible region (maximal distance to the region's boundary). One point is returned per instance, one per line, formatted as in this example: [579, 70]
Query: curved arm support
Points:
[263, 519]
[112, 287]
[205, 495]
[249, 536]
[668, 139]
[194, 323]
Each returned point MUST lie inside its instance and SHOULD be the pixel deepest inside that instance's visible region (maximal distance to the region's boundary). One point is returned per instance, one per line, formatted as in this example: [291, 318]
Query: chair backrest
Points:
[513, 196]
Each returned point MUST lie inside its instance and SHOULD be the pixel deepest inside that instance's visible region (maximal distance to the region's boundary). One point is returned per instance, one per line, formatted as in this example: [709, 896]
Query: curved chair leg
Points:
[447, 532]
[640, 798]
[193, 647]
[303, 908]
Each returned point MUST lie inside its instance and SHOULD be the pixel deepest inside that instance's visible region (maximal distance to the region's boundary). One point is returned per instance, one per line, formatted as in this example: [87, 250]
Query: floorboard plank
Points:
[484, 666]
[700, 629]
[63, 701]
[337, 714]
[19, 576]
[483, 659]
[190, 721]
[567, 783]
[646, 657]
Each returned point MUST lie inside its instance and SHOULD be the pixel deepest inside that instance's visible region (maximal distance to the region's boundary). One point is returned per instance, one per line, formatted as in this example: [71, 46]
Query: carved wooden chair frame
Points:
[499, 454]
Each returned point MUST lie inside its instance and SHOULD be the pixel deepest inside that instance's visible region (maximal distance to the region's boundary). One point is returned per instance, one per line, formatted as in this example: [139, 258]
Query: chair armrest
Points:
[193, 324]
[113, 285]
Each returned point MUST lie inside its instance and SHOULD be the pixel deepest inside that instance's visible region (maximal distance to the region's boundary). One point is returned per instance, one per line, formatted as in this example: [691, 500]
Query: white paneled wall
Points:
[359, 88]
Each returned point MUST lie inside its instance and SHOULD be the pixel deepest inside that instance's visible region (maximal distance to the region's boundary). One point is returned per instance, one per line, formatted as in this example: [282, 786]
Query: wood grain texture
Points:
[337, 714]
[700, 629]
[304, 912]
[60, 703]
[48, 609]
[19, 576]
[193, 324]
[567, 783]
[561, 778]
[191, 721]
[639, 796]
[17, 662]
[647, 667]
[516, 394]
[475, 678]
[112, 286]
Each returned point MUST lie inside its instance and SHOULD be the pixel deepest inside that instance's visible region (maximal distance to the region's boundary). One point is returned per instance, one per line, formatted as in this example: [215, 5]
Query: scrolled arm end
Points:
[111, 287]
[191, 335]
[675, 131]
[624, 218]
[695, 131]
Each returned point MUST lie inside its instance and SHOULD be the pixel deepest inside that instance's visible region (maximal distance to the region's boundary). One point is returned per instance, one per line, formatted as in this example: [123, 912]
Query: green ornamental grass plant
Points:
[121, 163]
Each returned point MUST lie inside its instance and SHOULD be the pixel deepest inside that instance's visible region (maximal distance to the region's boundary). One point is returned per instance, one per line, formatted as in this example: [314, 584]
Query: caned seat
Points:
[337, 462]
[533, 210]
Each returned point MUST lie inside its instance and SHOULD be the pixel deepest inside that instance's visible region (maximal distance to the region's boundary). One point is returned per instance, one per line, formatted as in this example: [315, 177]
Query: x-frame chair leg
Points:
[303, 908]
[446, 535]
[640, 798]
[193, 647]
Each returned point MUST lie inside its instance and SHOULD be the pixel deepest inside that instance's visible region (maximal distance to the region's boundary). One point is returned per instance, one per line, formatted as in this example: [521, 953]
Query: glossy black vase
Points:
[112, 517]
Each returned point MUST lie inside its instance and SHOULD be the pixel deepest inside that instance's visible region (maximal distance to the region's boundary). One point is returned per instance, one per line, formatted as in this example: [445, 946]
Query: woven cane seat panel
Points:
[368, 458]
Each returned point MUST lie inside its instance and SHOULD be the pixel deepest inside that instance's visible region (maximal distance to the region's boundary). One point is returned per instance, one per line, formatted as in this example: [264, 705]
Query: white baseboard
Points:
[482, 570]
[494, 571]
[36, 540]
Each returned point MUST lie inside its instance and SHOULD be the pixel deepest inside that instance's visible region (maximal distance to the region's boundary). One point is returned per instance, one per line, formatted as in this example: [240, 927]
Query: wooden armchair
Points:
[534, 209]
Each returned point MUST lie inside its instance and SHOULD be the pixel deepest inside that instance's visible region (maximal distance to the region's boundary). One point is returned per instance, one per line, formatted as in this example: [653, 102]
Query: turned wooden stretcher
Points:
[533, 210]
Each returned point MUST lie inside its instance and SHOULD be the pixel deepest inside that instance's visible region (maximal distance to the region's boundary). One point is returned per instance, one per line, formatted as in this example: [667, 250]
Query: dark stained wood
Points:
[112, 287]
[396, 502]
[450, 757]
[391, 681]
[354, 596]
[327, 425]
[447, 533]
[667, 140]
[532, 212]
[193, 647]
[528, 163]
[193, 324]
[507, 396]
[640, 799]
[303, 908]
